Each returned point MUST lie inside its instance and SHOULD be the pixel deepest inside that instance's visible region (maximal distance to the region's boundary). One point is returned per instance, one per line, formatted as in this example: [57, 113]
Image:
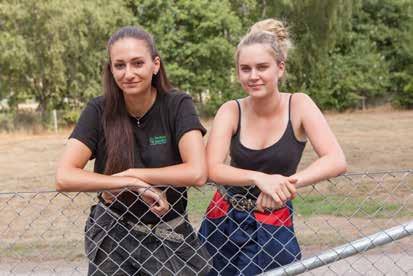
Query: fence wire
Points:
[44, 233]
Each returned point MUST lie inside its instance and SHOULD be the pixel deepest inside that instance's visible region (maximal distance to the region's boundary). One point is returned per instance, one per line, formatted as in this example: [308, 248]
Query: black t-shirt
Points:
[157, 135]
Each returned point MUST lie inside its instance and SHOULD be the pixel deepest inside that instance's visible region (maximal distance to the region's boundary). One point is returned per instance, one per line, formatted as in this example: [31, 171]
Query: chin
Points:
[133, 91]
[258, 93]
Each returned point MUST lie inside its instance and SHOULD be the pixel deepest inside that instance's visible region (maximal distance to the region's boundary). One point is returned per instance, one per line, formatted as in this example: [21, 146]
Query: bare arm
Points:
[331, 161]
[192, 170]
[223, 128]
[70, 176]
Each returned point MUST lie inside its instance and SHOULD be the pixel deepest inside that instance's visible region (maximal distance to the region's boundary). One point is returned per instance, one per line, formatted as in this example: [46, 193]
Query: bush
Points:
[22, 120]
[404, 98]
[70, 117]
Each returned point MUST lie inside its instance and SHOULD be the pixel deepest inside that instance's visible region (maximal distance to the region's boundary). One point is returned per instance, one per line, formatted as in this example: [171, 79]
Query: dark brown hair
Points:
[120, 142]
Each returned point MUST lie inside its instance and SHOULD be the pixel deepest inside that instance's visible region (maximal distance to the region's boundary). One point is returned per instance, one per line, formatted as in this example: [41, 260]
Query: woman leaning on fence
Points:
[248, 227]
[141, 132]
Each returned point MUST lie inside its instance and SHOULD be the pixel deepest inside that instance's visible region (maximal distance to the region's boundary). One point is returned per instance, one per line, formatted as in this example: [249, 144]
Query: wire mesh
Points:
[46, 232]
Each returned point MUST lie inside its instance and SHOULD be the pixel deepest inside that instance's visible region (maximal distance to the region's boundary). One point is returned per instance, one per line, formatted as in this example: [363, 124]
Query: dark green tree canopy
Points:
[345, 50]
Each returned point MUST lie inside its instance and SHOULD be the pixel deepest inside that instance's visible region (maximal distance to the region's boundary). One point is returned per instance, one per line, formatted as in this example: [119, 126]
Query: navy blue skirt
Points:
[248, 243]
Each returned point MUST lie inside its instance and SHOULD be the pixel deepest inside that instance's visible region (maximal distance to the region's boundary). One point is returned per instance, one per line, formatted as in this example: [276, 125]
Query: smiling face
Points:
[132, 65]
[258, 71]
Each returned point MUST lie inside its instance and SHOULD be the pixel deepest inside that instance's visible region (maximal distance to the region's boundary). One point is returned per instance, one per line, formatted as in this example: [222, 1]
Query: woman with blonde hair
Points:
[248, 227]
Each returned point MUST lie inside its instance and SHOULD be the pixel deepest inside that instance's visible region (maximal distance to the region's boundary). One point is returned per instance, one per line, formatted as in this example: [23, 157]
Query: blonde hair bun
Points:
[277, 28]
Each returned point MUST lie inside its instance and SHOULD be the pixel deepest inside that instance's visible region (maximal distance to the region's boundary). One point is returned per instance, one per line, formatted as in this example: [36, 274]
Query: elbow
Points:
[200, 177]
[212, 176]
[341, 166]
[60, 182]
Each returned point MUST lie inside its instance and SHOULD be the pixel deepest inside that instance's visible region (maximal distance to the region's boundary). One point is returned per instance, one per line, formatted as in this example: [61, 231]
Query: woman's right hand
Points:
[155, 200]
[265, 203]
[276, 186]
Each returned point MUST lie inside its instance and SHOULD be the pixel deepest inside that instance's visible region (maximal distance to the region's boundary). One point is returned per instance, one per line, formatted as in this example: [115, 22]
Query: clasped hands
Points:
[276, 190]
[154, 197]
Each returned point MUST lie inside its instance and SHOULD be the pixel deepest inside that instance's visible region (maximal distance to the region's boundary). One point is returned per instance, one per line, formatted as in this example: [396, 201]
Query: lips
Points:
[130, 84]
[255, 86]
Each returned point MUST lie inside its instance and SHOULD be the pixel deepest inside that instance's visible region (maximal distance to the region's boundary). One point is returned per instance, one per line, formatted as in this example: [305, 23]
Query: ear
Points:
[281, 69]
[157, 65]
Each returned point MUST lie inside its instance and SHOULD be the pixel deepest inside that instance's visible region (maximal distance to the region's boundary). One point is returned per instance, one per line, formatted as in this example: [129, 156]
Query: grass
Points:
[199, 200]
[340, 206]
[314, 205]
[40, 250]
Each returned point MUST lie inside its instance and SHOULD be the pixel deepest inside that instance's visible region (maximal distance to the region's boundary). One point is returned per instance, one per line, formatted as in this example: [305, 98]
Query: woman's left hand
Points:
[265, 203]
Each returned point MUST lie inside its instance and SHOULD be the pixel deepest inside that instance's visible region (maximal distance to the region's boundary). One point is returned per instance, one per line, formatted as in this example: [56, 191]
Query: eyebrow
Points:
[133, 59]
[258, 64]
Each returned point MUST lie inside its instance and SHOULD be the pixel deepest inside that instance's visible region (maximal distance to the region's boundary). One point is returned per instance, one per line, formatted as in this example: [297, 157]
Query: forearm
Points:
[326, 167]
[227, 175]
[79, 180]
[179, 175]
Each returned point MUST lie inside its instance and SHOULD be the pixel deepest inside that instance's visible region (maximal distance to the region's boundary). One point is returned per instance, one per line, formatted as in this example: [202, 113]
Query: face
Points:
[258, 72]
[132, 66]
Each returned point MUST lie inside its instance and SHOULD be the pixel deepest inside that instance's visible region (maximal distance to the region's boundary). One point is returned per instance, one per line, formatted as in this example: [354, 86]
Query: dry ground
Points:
[377, 140]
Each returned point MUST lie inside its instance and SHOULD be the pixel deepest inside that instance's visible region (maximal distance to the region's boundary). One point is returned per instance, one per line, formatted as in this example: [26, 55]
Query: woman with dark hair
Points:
[141, 132]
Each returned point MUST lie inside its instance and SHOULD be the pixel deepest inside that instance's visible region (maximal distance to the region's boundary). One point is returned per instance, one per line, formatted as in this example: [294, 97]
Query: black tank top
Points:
[282, 157]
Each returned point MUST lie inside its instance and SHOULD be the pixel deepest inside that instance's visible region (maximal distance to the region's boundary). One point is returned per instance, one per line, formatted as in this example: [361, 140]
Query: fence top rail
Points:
[367, 173]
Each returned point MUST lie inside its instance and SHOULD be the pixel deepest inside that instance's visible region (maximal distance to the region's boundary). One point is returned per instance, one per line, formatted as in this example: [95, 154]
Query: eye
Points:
[245, 69]
[262, 67]
[119, 66]
[138, 63]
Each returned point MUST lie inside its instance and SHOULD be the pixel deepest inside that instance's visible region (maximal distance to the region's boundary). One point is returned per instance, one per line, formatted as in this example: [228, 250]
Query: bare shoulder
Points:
[302, 99]
[228, 110]
[303, 104]
[227, 116]
[229, 106]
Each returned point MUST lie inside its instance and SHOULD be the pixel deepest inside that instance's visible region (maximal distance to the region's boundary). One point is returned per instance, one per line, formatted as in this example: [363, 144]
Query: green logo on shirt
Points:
[157, 140]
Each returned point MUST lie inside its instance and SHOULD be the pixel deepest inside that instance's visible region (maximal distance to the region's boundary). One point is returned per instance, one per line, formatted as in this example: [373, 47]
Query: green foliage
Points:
[70, 117]
[404, 98]
[345, 50]
[53, 50]
[389, 25]
[361, 72]
[196, 40]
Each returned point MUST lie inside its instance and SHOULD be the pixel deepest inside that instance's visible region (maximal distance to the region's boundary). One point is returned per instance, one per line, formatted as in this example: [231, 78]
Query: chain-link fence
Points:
[43, 233]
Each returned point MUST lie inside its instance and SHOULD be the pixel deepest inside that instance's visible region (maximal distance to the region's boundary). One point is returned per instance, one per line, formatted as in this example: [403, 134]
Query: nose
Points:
[254, 74]
[129, 72]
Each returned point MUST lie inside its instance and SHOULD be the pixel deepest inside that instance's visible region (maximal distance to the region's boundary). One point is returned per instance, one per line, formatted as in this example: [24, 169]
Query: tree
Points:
[54, 49]
[389, 24]
[196, 40]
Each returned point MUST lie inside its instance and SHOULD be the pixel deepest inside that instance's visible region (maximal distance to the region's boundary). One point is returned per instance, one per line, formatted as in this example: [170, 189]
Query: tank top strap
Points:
[239, 116]
[289, 108]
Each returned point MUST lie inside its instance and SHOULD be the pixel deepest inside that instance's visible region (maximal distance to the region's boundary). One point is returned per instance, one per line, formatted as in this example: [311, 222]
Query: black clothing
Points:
[156, 137]
[112, 243]
[282, 157]
[115, 249]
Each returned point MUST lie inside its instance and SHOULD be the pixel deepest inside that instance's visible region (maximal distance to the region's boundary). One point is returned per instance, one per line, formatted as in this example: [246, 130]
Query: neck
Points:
[266, 106]
[138, 105]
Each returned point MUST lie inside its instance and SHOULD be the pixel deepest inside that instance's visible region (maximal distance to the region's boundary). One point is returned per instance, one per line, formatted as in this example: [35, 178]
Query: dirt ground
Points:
[373, 141]
[378, 140]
